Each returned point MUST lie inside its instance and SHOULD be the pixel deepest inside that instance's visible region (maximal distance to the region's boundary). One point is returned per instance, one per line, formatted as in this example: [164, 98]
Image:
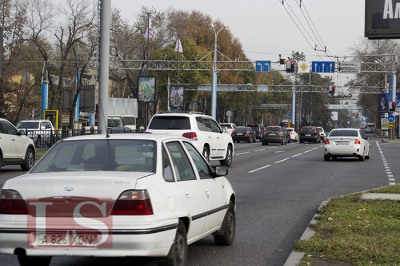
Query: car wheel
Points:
[206, 154]
[33, 261]
[250, 140]
[29, 160]
[326, 158]
[362, 157]
[334, 157]
[254, 141]
[263, 143]
[228, 158]
[228, 228]
[177, 255]
[368, 156]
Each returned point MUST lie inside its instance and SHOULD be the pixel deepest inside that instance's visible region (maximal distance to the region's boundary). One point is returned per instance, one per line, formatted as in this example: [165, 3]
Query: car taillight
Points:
[301, 130]
[133, 202]
[357, 141]
[326, 142]
[147, 132]
[12, 203]
[291, 133]
[280, 133]
[315, 130]
[232, 134]
[190, 135]
[247, 133]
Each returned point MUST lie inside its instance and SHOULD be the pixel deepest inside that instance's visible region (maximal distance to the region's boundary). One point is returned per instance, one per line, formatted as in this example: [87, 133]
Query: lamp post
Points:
[214, 75]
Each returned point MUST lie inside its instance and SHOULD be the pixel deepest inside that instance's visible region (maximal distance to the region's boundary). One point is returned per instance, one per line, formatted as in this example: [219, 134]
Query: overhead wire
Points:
[300, 29]
[315, 28]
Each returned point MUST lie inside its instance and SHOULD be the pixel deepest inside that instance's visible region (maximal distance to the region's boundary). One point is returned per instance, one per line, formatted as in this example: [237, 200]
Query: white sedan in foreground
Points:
[347, 142]
[119, 195]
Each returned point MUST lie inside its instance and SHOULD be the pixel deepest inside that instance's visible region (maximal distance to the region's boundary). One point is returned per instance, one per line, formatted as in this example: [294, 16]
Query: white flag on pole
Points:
[178, 46]
[149, 30]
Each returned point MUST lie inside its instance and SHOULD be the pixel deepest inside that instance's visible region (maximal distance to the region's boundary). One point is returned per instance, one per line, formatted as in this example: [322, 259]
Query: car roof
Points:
[35, 120]
[182, 113]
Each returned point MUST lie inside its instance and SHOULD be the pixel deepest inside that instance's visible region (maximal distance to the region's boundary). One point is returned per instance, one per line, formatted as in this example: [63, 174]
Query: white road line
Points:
[296, 155]
[279, 151]
[392, 183]
[242, 153]
[391, 179]
[259, 150]
[387, 169]
[255, 170]
[282, 160]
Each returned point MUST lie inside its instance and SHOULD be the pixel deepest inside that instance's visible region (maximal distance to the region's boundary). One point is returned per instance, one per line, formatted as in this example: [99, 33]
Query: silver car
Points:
[347, 142]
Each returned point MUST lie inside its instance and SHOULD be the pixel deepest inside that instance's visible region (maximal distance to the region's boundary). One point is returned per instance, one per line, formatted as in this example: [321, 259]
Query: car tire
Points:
[326, 158]
[362, 157]
[29, 160]
[250, 140]
[263, 143]
[228, 158]
[178, 253]
[206, 153]
[368, 156]
[334, 157]
[254, 141]
[33, 261]
[228, 228]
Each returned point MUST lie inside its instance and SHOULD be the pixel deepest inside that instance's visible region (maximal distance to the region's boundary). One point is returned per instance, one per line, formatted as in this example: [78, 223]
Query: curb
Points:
[296, 256]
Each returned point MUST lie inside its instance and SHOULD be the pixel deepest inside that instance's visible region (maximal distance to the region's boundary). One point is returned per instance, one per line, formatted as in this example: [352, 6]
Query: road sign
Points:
[288, 123]
[289, 116]
[391, 118]
[323, 67]
[263, 66]
[349, 67]
[303, 67]
[391, 125]
[398, 103]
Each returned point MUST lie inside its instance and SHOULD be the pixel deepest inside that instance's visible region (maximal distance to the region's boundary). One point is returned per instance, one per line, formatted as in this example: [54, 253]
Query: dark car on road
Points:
[274, 134]
[243, 134]
[257, 129]
[309, 133]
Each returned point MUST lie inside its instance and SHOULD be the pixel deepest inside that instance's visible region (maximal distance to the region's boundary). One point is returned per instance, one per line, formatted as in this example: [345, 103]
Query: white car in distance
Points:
[202, 130]
[293, 134]
[346, 142]
[146, 195]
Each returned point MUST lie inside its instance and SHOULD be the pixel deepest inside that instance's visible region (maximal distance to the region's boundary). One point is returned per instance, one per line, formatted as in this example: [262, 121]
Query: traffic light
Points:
[290, 66]
[332, 89]
[392, 106]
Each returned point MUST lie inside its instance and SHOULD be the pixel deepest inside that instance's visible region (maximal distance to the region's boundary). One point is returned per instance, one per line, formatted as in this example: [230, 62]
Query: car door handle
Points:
[13, 139]
[187, 194]
[207, 193]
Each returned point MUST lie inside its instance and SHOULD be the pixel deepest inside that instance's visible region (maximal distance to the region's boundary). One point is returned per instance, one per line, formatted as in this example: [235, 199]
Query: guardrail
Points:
[45, 139]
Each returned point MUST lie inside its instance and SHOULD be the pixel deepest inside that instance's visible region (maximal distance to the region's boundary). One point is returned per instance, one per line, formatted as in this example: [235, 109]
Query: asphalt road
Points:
[278, 189]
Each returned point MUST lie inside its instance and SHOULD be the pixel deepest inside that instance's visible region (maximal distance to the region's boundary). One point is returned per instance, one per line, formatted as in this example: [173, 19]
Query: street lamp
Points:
[214, 75]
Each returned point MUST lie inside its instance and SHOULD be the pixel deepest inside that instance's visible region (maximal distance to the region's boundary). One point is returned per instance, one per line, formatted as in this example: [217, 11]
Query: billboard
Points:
[382, 19]
[383, 101]
[147, 89]
[176, 96]
[334, 116]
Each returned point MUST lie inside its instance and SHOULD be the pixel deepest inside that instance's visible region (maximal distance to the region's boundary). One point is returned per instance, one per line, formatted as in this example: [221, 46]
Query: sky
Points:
[266, 30]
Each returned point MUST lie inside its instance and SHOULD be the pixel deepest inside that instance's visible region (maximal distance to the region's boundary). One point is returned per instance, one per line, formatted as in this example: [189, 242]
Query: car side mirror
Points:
[220, 170]
[42, 127]
[21, 132]
[224, 129]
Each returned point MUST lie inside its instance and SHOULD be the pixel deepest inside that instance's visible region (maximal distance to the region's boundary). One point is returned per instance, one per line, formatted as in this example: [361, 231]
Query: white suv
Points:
[40, 131]
[15, 148]
[203, 131]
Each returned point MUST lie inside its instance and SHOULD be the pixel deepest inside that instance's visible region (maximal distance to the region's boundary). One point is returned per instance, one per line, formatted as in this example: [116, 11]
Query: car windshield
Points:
[289, 129]
[28, 124]
[170, 122]
[344, 133]
[241, 129]
[320, 129]
[99, 155]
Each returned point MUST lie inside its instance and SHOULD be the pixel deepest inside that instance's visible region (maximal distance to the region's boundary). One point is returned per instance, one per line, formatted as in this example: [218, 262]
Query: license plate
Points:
[272, 134]
[308, 135]
[239, 134]
[342, 143]
[55, 239]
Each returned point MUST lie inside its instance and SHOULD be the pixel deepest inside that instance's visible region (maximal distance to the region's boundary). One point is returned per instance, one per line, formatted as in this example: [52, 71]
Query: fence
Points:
[45, 139]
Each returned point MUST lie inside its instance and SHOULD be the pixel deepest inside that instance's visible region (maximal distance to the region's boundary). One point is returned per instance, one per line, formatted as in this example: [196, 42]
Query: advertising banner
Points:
[176, 96]
[147, 88]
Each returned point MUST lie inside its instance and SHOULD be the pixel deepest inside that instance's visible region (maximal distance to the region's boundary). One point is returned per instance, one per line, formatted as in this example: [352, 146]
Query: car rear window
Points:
[241, 129]
[344, 133]
[26, 124]
[274, 129]
[320, 129]
[308, 130]
[170, 122]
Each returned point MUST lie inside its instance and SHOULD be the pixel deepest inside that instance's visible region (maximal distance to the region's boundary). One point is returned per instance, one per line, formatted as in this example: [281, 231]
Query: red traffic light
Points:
[292, 63]
[393, 104]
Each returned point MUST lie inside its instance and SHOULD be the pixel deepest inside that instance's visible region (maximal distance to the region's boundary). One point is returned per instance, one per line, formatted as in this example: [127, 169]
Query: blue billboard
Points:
[383, 101]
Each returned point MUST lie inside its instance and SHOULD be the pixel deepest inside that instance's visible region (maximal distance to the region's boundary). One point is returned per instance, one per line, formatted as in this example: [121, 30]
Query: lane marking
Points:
[242, 153]
[259, 150]
[387, 168]
[279, 151]
[282, 160]
[297, 155]
[255, 170]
